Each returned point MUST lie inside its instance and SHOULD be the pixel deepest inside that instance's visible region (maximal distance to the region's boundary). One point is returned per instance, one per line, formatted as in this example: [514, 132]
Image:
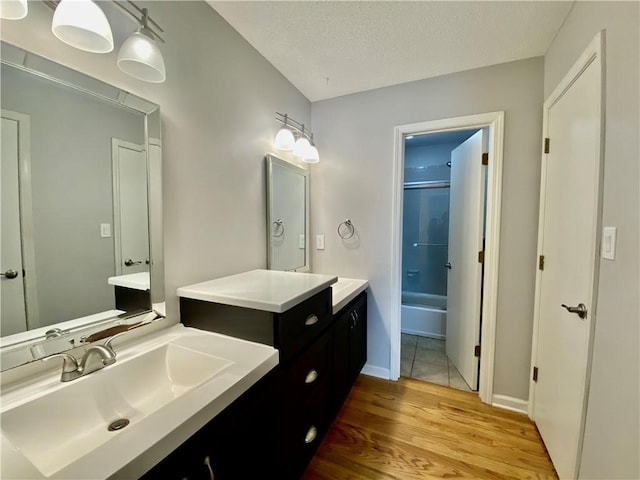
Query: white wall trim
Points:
[594, 51]
[495, 122]
[510, 403]
[378, 372]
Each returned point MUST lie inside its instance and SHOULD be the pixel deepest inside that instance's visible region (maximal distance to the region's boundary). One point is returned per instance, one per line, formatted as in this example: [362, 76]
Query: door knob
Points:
[448, 265]
[11, 273]
[580, 310]
[128, 262]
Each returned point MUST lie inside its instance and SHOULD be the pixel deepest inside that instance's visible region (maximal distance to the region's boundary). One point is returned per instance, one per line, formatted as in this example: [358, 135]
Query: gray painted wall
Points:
[218, 107]
[72, 191]
[354, 180]
[612, 437]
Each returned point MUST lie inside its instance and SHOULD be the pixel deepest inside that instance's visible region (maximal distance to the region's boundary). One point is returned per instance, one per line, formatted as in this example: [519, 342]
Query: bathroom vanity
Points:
[275, 428]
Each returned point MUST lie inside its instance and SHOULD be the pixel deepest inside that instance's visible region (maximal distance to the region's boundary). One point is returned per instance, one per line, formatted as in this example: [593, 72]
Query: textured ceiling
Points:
[332, 48]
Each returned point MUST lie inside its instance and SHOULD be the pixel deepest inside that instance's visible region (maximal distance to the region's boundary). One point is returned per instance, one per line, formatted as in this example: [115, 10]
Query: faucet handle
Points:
[69, 363]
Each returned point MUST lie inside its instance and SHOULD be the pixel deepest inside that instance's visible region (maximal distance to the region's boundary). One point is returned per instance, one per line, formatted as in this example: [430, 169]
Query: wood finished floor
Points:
[411, 429]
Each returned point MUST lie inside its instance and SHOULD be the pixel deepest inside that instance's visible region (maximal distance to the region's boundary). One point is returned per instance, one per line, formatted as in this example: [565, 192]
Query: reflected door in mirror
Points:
[12, 295]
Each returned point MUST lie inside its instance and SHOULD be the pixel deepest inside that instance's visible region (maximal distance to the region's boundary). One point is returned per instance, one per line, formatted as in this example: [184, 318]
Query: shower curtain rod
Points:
[411, 185]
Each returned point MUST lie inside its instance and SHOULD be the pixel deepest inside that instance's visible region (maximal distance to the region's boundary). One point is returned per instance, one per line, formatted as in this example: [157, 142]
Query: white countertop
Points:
[345, 290]
[267, 290]
[137, 281]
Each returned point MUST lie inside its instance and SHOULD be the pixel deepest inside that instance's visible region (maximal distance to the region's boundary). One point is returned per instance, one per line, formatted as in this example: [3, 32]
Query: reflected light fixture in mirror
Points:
[13, 9]
[140, 56]
[83, 25]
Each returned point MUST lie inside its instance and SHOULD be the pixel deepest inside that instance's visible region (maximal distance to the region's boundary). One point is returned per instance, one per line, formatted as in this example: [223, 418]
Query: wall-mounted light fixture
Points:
[13, 9]
[140, 55]
[83, 25]
[293, 137]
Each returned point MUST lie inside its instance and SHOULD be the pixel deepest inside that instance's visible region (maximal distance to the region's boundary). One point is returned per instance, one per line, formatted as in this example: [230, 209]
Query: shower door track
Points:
[416, 185]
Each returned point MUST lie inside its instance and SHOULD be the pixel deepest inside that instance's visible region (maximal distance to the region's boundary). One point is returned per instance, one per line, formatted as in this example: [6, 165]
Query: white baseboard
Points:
[511, 403]
[374, 371]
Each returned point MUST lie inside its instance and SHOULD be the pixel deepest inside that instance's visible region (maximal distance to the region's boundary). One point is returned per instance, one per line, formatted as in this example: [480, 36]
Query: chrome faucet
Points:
[72, 369]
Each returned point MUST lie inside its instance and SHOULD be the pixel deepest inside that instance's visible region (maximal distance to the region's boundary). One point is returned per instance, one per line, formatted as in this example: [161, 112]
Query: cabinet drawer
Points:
[300, 432]
[304, 375]
[299, 325]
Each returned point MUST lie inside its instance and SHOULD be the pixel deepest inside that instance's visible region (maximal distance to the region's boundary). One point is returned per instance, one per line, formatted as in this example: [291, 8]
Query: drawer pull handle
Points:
[207, 463]
[311, 320]
[311, 435]
[311, 377]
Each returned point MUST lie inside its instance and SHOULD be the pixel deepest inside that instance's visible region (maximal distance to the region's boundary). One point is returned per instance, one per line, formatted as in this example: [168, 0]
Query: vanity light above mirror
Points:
[83, 24]
[294, 137]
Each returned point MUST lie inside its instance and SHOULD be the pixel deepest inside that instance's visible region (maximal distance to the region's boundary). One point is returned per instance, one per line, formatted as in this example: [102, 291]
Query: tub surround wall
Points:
[217, 106]
[355, 134]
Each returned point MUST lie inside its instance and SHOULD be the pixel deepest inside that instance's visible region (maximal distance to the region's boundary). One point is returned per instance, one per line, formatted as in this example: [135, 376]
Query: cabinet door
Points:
[341, 359]
[357, 338]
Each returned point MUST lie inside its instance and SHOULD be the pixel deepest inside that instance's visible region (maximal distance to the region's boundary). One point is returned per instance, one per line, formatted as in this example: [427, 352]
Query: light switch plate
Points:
[105, 230]
[608, 247]
[319, 242]
[301, 242]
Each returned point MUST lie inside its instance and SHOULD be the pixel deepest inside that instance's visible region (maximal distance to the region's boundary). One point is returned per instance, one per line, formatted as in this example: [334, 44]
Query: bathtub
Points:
[424, 314]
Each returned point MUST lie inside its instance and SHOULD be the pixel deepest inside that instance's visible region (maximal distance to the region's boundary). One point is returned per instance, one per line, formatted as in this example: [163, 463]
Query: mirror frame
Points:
[272, 160]
[21, 59]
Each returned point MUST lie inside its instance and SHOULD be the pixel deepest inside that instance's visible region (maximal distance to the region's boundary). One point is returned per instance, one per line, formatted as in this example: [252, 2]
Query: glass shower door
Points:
[425, 234]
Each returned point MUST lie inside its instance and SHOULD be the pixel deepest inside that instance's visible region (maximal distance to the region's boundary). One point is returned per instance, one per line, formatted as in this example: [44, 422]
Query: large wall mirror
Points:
[287, 216]
[81, 216]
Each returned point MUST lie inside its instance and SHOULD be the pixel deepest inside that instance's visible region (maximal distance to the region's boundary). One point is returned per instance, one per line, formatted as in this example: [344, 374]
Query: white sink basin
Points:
[67, 427]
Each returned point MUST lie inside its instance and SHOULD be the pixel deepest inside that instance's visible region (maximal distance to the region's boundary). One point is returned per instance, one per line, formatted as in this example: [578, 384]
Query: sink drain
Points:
[118, 424]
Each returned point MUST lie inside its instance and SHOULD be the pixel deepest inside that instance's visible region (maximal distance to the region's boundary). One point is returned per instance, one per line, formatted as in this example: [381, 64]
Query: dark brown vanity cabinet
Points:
[273, 430]
[349, 348]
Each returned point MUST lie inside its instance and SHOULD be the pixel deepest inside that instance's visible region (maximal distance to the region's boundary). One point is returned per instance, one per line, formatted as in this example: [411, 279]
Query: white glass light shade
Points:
[284, 140]
[13, 9]
[82, 24]
[301, 147]
[141, 58]
[312, 155]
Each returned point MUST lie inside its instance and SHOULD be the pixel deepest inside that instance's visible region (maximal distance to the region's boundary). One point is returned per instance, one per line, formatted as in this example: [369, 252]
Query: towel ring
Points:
[348, 231]
[278, 226]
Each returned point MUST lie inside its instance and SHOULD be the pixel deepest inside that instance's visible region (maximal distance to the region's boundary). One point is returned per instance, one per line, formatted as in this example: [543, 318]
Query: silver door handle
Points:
[448, 265]
[580, 310]
[128, 262]
[11, 273]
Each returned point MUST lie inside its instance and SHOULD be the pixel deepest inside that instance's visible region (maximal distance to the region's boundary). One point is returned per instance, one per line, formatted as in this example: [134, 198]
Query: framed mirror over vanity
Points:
[81, 219]
[287, 216]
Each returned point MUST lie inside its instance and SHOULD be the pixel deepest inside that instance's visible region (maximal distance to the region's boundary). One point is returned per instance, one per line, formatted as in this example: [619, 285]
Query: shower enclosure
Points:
[425, 252]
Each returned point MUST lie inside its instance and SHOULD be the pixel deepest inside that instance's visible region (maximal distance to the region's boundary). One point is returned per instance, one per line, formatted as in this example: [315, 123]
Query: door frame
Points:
[27, 235]
[494, 121]
[595, 50]
[116, 143]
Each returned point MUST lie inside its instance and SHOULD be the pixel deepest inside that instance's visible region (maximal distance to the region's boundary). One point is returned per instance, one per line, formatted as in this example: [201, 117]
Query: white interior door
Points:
[568, 241]
[130, 205]
[12, 298]
[466, 222]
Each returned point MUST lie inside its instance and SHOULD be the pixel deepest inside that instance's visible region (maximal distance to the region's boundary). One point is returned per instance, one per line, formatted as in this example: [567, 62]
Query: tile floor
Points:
[425, 359]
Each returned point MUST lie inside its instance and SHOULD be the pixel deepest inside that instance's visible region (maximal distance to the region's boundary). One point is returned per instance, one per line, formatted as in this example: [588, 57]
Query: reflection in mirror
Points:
[81, 192]
[287, 216]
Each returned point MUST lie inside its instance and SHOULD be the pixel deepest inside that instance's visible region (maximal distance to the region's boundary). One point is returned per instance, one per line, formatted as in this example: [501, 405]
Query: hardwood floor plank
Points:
[414, 430]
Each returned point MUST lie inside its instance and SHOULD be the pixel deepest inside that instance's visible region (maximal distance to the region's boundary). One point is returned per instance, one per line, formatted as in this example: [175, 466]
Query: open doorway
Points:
[442, 232]
[492, 126]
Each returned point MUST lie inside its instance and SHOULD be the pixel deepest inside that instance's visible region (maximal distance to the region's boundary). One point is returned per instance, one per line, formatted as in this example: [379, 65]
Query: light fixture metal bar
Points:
[141, 11]
[294, 125]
